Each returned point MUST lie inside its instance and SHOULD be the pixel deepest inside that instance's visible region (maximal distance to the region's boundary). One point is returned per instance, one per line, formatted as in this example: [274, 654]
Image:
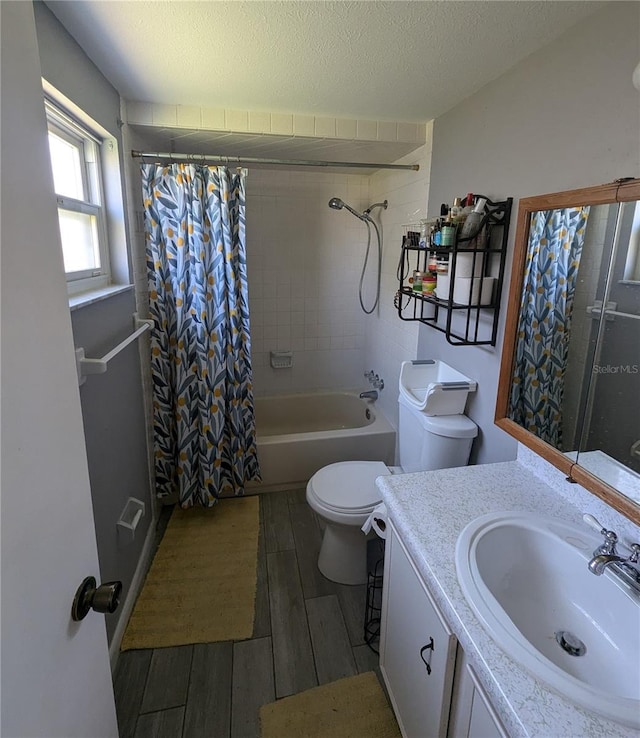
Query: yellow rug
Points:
[354, 707]
[201, 586]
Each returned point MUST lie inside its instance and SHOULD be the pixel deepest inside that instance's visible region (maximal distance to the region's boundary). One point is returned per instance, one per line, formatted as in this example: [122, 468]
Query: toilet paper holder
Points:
[373, 609]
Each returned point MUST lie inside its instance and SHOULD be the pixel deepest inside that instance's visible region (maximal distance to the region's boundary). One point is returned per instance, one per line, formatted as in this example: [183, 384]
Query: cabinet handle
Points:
[428, 647]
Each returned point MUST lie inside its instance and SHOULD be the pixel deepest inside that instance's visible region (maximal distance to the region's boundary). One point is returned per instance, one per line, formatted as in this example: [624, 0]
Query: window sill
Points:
[82, 299]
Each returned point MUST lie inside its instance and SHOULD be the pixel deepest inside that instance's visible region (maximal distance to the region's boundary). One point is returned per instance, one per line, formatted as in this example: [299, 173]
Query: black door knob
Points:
[104, 598]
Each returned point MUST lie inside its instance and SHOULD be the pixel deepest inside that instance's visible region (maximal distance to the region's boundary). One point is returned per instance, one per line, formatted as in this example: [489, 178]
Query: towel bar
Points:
[87, 366]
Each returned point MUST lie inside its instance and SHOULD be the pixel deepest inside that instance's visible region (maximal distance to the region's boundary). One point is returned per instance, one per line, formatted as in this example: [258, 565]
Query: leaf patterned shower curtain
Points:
[555, 245]
[204, 426]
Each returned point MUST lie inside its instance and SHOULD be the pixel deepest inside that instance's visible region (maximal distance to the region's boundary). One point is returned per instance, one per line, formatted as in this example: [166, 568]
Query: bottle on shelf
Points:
[442, 264]
[468, 205]
[429, 284]
[456, 209]
[436, 235]
[417, 281]
[448, 232]
[423, 242]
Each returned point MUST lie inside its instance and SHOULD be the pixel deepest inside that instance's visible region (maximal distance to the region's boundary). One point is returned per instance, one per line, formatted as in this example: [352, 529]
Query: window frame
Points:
[61, 123]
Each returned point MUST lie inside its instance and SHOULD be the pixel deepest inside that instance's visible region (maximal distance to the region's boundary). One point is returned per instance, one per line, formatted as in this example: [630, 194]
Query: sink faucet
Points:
[369, 395]
[606, 556]
[599, 563]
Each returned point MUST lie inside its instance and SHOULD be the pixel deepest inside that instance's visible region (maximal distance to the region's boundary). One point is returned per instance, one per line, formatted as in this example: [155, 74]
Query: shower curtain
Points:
[556, 238]
[204, 426]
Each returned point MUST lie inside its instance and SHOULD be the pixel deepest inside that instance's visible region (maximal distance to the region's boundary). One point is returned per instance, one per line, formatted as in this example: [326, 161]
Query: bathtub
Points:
[299, 434]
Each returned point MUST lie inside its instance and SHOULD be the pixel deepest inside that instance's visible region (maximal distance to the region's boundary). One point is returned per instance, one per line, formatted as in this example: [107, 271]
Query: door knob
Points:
[104, 598]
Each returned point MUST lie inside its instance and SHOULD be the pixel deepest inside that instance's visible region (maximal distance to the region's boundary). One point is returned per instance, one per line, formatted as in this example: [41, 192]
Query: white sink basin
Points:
[526, 578]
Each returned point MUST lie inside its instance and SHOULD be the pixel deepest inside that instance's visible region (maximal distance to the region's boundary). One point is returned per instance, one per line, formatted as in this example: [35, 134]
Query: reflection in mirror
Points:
[569, 384]
[609, 445]
[553, 262]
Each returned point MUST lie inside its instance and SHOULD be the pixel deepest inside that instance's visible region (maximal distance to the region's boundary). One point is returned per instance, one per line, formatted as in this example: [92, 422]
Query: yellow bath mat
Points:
[201, 586]
[354, 707]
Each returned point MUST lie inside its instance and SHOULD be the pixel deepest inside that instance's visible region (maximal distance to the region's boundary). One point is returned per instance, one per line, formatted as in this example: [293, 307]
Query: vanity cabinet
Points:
[417, 648]
[432, 687]
[472, 715]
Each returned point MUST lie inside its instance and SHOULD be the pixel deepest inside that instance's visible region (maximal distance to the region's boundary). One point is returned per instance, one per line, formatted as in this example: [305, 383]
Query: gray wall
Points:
[112, 405]
[568, 116]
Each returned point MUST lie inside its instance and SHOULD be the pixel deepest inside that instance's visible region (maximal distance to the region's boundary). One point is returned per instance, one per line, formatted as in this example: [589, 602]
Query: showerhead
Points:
[337, 204]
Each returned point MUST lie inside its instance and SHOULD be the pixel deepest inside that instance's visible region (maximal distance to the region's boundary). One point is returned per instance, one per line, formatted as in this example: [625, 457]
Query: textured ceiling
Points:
[407, 61]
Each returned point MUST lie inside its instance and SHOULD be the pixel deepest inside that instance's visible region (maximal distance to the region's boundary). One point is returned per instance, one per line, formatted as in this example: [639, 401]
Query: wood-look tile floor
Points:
[307, 631]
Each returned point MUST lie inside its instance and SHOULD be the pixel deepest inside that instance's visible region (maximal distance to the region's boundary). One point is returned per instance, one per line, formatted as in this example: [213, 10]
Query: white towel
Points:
[377, 520]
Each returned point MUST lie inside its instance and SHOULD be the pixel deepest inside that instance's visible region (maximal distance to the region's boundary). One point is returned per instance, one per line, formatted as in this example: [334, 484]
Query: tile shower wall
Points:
[389, 341]
[304, 261]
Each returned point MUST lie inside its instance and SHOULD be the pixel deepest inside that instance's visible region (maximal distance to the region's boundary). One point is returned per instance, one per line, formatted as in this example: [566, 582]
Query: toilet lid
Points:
[349, 485]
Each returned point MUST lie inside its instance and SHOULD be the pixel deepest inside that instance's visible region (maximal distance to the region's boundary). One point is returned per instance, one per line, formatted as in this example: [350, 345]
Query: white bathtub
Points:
[299, 434]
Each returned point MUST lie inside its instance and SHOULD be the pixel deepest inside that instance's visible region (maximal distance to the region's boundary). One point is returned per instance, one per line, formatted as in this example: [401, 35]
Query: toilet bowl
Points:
[345, 494]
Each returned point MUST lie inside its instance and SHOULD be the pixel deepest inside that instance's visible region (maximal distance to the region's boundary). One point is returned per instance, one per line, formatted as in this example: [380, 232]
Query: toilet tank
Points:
[433, 442]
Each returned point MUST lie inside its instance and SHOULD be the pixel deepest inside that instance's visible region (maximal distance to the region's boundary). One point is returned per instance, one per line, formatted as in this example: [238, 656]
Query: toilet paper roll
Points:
[377, 521]
[465, 265]
[442, 287]
[481, 292]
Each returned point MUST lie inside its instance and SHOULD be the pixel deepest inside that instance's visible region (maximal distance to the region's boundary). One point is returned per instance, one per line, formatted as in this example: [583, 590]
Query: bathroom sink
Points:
[526, 578]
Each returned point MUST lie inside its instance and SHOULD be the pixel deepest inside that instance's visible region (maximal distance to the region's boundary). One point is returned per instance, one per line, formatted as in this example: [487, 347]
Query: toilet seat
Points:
[346, 492]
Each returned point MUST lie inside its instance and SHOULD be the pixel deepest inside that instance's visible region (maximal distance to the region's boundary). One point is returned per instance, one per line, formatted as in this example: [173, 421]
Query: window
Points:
[77, 179]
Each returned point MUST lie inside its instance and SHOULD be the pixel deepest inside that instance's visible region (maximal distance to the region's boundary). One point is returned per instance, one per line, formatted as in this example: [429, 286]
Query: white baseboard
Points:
[132, 595]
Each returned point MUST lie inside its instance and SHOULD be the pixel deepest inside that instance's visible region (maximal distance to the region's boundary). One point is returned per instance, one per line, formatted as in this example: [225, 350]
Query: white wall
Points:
[304, 261]
[566, 117]
[389, 341]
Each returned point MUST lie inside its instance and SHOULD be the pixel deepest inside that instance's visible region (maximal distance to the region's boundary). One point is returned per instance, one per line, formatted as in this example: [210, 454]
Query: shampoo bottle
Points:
[468, 205]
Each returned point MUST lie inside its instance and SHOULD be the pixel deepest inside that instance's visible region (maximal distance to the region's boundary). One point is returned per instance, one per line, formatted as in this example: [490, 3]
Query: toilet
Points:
[345, 494]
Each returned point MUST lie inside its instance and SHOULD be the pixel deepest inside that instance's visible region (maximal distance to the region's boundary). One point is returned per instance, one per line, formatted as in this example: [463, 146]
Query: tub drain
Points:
[570, 643]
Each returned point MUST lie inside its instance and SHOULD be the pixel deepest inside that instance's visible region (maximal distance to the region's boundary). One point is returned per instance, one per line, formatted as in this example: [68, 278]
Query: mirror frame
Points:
[619, 191]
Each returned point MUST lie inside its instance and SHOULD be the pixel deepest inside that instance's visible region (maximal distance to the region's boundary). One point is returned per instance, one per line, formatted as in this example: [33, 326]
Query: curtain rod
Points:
[202, 158]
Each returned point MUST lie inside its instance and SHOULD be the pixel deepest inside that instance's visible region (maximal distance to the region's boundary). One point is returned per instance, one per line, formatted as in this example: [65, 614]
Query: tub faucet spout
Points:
[369, 395]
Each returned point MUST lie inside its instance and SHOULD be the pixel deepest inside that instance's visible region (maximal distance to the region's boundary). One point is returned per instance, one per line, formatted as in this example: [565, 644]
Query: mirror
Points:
[570, 375]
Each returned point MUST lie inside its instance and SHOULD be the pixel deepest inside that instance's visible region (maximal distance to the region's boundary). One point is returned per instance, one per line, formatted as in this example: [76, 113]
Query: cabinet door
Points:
[417, 650]
[472, 715]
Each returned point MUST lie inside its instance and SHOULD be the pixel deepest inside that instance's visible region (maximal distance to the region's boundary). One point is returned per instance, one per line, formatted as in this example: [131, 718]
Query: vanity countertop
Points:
[430, 509]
